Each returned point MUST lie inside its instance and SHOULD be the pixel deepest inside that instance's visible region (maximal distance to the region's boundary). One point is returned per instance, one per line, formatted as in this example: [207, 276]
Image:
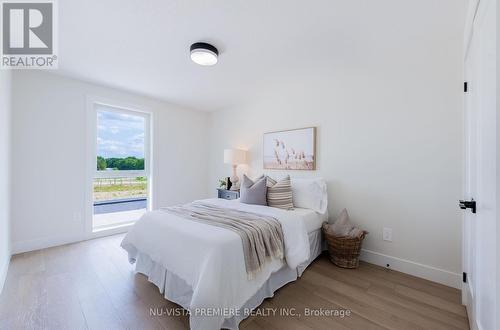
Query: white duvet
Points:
[210, 259]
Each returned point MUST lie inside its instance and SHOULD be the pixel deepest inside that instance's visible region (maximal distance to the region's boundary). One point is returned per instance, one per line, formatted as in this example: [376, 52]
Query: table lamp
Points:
[235, 157]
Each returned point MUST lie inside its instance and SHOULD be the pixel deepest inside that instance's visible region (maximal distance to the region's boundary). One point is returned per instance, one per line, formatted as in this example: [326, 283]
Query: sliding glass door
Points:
[121, 187]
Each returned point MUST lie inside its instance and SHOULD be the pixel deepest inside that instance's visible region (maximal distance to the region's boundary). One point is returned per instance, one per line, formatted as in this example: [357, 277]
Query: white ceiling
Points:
[143, 46]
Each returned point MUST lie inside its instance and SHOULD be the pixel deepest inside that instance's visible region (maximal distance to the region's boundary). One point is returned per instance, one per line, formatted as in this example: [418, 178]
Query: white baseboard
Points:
[3, 273]
[413, 268]
[42, 243]
[47, 242]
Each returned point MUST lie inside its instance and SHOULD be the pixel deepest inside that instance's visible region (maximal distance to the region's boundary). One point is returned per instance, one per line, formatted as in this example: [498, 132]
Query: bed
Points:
[201, 267]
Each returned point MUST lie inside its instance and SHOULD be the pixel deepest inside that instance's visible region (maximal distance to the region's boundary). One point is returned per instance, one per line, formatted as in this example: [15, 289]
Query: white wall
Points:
[5, 113]
[49, 155]
[498, 170]
[388, 107]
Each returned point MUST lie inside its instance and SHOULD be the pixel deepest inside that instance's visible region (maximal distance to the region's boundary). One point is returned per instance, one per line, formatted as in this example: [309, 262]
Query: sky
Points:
[119, 135]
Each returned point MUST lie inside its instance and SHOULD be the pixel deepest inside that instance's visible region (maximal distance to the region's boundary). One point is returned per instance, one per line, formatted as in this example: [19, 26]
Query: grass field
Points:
[108, 189]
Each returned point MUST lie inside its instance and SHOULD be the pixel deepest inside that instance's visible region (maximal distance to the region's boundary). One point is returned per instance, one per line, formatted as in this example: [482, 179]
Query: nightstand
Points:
[228, 194]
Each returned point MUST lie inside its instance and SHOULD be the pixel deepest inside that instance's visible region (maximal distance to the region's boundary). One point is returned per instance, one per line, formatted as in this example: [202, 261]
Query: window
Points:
[121, 179]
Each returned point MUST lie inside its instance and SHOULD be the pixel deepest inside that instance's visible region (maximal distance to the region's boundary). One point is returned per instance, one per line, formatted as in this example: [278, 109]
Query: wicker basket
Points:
[344, 251]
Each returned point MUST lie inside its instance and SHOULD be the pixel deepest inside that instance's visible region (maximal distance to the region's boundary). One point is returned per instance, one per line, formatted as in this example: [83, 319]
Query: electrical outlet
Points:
[387, 234]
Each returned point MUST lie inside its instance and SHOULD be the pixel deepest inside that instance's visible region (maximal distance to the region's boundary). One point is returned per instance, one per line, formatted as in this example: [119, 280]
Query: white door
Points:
[479, 229]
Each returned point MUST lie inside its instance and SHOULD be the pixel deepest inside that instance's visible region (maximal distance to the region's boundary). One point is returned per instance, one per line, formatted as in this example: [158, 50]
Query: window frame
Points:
[111, 105]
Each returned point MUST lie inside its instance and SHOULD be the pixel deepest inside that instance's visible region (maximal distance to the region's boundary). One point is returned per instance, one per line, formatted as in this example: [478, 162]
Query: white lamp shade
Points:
[235, 156]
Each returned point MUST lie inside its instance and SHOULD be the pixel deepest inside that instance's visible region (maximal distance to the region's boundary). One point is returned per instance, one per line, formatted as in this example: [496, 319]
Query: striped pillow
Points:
[279, 193]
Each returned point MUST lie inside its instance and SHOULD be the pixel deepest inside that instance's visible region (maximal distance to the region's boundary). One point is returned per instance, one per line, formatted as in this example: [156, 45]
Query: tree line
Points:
[120, 164]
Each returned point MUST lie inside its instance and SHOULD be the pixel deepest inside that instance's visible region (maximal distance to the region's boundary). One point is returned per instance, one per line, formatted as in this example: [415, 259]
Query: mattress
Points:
[210, 259]
[175, 289]
[312, 219]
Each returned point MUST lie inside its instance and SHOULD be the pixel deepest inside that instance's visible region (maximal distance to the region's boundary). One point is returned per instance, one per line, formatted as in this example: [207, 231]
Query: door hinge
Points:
[464, 277]
[466, 89]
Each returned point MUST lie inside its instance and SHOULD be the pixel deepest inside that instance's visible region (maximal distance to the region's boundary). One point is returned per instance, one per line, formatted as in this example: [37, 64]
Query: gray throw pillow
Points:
[253, 192]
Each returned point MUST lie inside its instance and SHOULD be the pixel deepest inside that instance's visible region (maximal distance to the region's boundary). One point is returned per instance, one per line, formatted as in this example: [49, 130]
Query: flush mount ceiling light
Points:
[204, 54]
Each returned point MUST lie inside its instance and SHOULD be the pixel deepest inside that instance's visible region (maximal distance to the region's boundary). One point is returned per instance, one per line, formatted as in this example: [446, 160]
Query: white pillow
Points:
[310, 194]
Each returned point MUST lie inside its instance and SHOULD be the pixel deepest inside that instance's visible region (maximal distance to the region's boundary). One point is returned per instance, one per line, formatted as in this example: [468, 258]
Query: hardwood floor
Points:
[91, 285]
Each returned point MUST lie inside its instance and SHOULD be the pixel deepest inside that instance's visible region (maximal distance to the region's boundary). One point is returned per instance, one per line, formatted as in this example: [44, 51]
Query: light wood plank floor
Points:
[91, 285]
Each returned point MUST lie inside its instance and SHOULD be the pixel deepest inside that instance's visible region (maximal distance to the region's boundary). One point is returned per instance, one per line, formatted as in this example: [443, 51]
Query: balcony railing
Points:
[113, 188]
[118, 200]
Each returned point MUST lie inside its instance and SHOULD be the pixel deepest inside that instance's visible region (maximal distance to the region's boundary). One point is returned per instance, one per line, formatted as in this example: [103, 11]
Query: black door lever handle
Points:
[468, 205]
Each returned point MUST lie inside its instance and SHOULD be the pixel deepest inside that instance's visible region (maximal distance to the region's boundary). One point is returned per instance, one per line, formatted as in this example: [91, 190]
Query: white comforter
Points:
[210, 259]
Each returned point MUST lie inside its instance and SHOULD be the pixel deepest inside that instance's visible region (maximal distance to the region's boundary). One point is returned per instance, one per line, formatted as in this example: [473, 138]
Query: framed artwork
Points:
[293, 149]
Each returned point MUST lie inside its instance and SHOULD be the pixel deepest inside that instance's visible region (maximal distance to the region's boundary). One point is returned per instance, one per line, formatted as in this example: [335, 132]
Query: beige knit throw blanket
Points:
[261, 235]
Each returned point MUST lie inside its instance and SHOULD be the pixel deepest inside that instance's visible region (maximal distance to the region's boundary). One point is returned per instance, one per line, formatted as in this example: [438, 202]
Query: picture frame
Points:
[293, 149]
